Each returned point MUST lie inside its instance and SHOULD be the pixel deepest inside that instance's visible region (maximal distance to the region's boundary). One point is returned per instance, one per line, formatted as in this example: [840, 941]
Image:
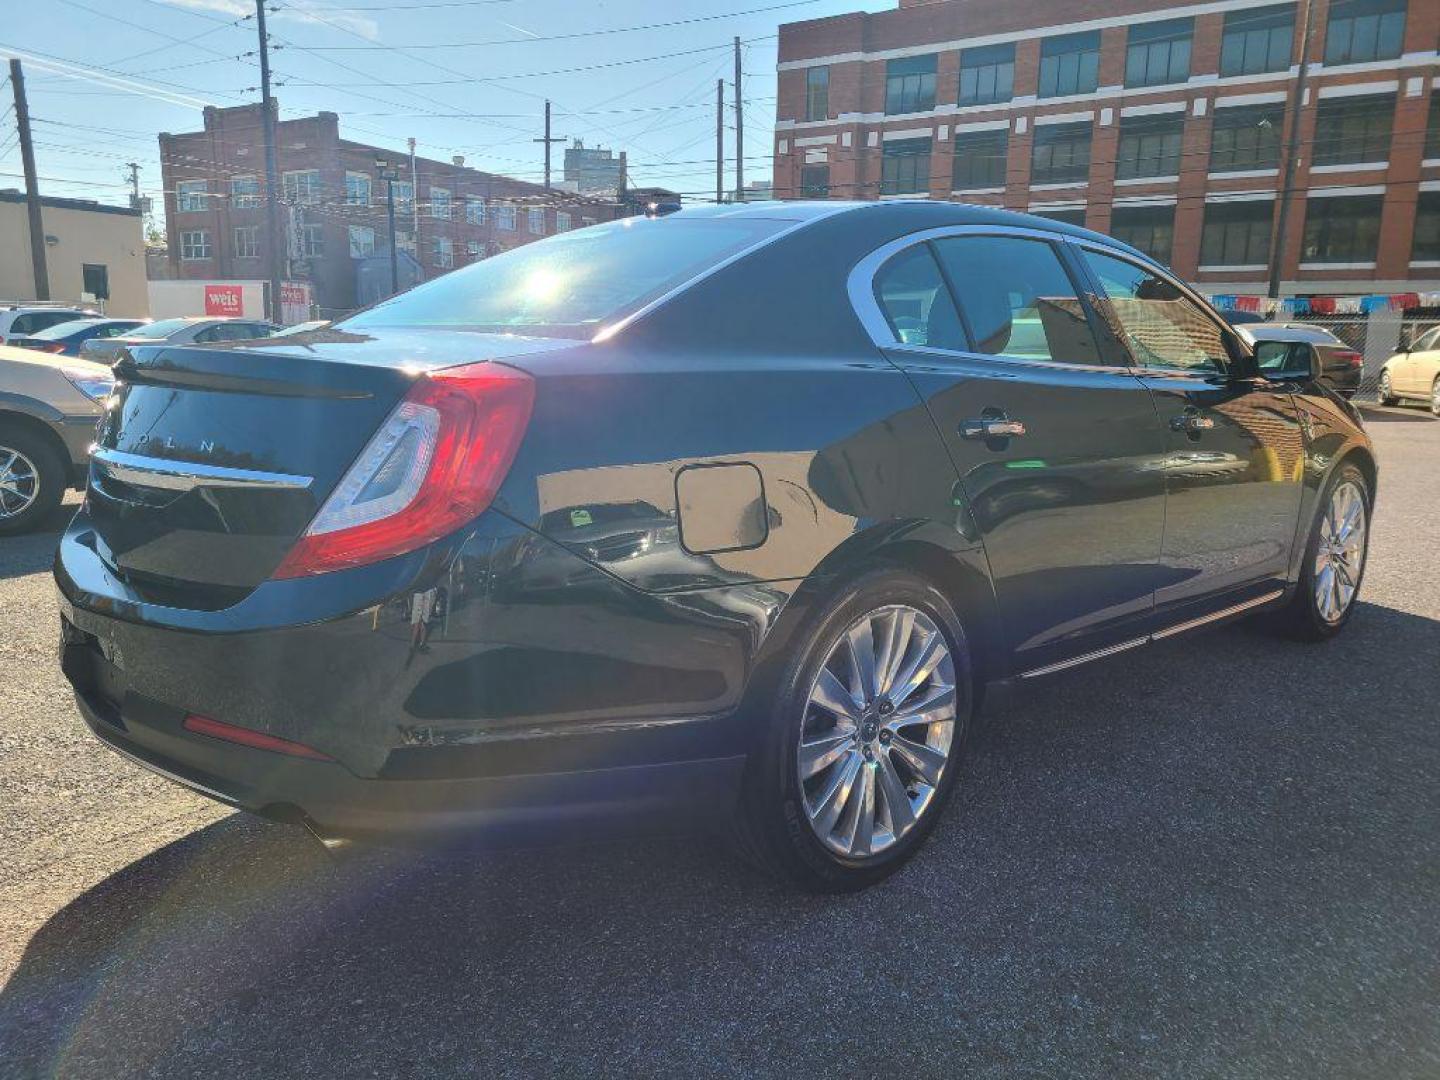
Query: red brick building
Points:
[1164, 123]
[334, 205]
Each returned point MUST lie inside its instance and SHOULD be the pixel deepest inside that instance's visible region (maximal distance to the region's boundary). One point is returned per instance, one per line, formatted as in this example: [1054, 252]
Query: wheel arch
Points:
[25, 422]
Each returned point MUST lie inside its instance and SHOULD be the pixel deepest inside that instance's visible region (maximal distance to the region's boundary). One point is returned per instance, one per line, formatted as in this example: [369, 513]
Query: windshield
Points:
[572, 283]
[162, 329]
[64, 329]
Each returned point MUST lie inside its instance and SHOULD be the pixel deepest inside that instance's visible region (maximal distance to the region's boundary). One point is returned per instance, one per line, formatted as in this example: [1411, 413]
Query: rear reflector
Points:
[256, 740]
[434, 465]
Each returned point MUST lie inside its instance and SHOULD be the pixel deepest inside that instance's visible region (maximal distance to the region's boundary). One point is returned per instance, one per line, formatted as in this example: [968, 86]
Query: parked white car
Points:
[1413, 375]
[22, 320]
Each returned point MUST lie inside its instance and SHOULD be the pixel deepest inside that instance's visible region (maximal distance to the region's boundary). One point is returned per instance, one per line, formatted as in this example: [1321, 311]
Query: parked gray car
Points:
[49, 406]
[186, 331]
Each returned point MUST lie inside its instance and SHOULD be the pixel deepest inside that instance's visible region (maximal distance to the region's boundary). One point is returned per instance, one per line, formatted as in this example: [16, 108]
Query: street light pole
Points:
[389, 173]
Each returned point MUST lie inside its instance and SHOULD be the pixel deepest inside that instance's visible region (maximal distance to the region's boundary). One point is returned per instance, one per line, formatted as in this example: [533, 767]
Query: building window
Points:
[1363, 30]
[312, 241]
[245, 192]
[562, 221]
[1432, 126]
[362, 241]
[980, 159]
[301, 187]
[1159, 52]
[1062, 154]
[475, 211]
[190, 195]
[1150, 229]
[587, 222]
[1427, 228]
[1257, 40]
[1247, 137]
[444, 252]
[905, 167]
[1351, 130]
[1070, 64]
[1072, 216]
[815, 181]
[473, 248]
[404, 192]
[405, 240]
[505, 218]
[247, 241]
[535, 222]
[357, 189]
[1343, 229]
[910, 84]
[1237, 233]
[439, 203]
[95, 282]
[987, 74]
[195, 244]
[1150, 146]
[817, 93]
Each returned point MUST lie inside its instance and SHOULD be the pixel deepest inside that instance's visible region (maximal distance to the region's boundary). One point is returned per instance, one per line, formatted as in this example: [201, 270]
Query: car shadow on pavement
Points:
[1218, 856]
[33, 551]
[1392, 414]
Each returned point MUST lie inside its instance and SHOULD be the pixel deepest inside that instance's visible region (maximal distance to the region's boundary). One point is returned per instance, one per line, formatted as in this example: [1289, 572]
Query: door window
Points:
[916, 303]
[1017, 299]
[1161, 326]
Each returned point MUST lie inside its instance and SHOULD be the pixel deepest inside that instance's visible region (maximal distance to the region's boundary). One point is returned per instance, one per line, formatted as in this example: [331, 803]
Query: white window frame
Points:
[242, 195]
[195, 245]
[190, 196]
[535, 221]
[562, 221]
[475, 210]
[366, 247]
[444, 252]
[505, 218]
[353, 181]
[250, 247]
[440, 199]
[312, 241]
[301, 186]
[474, 248]
[404, 194]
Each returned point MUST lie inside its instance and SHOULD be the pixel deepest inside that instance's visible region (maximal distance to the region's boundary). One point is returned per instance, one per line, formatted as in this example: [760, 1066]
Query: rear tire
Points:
[901, 771]
[1435, 398]
[1329, 584]
[1384, 393]
[33, 479]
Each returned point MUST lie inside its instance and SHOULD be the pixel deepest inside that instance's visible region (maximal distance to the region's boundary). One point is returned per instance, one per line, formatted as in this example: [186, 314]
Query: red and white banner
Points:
[224, 300]
[295, 300]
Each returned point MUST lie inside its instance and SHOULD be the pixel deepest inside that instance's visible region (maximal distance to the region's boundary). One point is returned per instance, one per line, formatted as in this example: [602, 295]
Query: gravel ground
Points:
[1220, 857]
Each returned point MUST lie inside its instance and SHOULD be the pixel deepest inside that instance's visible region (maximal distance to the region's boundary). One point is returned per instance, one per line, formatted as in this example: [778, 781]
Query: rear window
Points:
[156, 330]
[64, 329]
[570, 284]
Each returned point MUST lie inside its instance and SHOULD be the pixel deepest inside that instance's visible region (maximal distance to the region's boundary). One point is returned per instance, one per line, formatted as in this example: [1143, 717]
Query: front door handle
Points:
[992, 427]
[1191, 422]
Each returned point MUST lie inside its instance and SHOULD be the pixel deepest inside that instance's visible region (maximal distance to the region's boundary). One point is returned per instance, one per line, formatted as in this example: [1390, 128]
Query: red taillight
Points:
[52, 347]
[1354, 359]
[256, 740]
[435, 464]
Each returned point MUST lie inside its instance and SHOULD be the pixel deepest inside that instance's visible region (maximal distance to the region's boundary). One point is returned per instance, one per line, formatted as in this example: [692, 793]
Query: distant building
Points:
[334, 206]
[593, 170]
[93, 253]
[759, 191]
[638, 200]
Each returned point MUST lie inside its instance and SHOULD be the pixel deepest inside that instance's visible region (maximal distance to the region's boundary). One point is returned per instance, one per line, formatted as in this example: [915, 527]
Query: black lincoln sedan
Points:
[737, 514]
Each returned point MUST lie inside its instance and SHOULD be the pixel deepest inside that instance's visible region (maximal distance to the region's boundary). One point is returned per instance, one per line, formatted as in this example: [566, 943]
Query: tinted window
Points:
[1344, 229]
[64, 329]
[162, 329]
[916, 303]
[987, 74]
[1257, 40]
[1276, 356]
[1017, 299]
[569, 283]
[1161, 326]
[1358, 31]
[1159, 53]
[1070, 64]
[910, 84]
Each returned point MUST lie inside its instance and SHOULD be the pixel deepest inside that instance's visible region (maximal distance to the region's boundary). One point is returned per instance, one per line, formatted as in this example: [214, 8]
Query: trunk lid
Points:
[212, 460]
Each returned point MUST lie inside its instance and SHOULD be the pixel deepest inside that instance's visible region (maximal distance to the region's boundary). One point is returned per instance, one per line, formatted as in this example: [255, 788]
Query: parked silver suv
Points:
[184, 331]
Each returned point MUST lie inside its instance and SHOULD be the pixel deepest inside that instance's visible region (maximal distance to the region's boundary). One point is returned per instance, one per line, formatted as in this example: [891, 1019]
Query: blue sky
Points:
[461, 76]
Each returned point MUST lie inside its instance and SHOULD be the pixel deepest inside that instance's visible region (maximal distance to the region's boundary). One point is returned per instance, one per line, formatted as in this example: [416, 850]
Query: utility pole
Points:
[739, 129]
[272, 170]
[390, 172]
[547, 140]
[1292, 157]
[134, 168]
[719, 141]
[32, 184]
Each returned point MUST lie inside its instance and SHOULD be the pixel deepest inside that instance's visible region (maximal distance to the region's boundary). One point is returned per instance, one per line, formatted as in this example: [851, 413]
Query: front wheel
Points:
[1334, 561]
[864, 737]
[32, 479]
[1435, 399]
[1386, 393]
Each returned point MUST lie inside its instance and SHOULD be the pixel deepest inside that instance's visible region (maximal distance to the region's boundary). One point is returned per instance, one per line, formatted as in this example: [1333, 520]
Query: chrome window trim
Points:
[607, 332]
[172, 475]
[861, 287]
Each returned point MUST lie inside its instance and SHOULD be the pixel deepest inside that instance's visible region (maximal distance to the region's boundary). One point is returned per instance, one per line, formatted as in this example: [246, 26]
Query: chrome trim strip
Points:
[605, 333]
[1169, 631]
[172, 475]
[1215, 616]
[1075, 661]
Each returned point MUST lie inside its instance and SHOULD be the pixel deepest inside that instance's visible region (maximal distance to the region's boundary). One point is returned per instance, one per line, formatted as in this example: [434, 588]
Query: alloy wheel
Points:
[1340, 556]
[19, 483]
[1435, 399]
[878, 731]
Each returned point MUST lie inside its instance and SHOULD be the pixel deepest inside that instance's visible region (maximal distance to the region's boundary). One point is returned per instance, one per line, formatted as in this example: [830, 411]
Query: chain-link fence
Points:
[1376, 337]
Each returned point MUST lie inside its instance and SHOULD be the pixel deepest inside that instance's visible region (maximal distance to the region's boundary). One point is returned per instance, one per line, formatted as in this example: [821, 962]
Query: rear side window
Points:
[1018, 299]
[569, 284]
[916, 301]
[1162, 327]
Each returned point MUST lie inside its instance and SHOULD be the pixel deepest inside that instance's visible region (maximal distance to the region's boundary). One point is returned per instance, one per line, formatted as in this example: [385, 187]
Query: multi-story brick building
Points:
[334, 205]
[1164, 123]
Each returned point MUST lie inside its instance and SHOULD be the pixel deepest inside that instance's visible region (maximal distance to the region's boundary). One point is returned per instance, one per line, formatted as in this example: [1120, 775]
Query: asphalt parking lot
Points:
[1220, 857]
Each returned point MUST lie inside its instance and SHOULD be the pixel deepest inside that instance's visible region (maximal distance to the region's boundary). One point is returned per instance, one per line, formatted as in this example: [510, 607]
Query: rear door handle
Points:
[1192, 423]
[991, 427]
